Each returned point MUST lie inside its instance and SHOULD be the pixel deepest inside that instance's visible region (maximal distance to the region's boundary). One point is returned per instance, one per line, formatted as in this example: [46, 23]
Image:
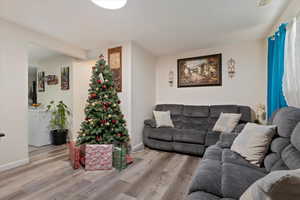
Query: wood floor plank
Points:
[162, 181]
[154, 175]
[179, 188]
[109, 191]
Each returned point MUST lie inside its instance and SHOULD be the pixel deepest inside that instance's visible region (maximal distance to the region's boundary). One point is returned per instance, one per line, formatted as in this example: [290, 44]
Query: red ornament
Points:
[99, 81]
[93, 95]
[119, 135]
[114, 121]
[98, 138]
[104, 86]
[119, 101]
[102, 121]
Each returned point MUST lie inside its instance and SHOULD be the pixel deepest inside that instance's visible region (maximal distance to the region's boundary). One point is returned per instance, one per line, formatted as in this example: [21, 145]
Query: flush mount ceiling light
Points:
[110, 4]
[262, 3]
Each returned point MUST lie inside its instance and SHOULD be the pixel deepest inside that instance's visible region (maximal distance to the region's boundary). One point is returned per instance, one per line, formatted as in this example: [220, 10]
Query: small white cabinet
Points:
[38, 127]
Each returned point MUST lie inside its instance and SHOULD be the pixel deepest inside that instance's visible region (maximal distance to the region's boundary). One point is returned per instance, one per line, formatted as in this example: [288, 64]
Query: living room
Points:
[174, 85]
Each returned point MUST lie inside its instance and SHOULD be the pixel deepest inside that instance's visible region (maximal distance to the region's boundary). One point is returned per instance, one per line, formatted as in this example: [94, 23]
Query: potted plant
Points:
[58, 122]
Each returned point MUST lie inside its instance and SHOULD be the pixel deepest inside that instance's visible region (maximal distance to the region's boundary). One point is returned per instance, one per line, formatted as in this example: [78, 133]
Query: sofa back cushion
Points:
[195, 117]
[176, 112]
[285, 149]
[216, 110]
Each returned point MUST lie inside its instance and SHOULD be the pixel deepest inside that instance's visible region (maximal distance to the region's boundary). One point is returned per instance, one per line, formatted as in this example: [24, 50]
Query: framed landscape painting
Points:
[200, 71]
[115, 63]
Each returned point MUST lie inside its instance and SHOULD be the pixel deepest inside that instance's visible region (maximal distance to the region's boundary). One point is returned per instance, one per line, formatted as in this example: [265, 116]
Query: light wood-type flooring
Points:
[155, 175]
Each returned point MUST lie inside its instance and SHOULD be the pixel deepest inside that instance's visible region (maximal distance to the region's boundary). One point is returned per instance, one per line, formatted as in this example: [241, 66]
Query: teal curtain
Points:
[276, 47]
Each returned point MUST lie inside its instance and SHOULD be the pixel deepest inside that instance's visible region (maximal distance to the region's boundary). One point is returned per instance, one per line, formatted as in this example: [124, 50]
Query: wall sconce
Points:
[171, 78]
[231, 67]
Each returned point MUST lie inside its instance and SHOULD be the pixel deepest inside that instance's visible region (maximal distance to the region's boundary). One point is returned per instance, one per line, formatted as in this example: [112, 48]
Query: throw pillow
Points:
[227, 122]
[277, 185]
[253, 142]
[163, 119]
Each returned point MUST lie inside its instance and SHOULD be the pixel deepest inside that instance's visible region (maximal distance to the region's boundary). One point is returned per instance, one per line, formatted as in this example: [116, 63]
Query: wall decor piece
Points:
[171, 78]
[65, 78]
[41, 81]
[231, 67]
[200, 71]
[52, 80]
[115, 63]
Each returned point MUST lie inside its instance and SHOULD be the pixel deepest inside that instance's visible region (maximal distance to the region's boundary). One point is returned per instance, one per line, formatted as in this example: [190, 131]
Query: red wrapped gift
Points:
[74, 154]
[97, 157]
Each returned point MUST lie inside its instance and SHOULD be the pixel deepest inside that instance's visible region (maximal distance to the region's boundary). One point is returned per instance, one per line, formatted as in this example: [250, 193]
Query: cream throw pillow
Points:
[227, 122]
[163, 119]
[253, 142]
[278, 185]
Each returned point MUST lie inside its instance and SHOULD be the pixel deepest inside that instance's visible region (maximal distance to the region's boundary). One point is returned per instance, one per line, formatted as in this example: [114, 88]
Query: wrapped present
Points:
[120, 158]
[74, 154]
[97, 157]
[129, 159]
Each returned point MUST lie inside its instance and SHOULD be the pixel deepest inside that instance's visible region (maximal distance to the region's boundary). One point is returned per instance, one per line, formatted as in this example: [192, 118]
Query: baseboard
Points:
[14, 164]
[138, 147]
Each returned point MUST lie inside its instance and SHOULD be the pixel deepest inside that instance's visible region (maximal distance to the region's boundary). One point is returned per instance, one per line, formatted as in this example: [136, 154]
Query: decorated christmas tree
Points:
[104, 122]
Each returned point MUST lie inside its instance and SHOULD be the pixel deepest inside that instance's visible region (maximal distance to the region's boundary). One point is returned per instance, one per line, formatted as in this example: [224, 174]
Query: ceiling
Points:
[161, 26]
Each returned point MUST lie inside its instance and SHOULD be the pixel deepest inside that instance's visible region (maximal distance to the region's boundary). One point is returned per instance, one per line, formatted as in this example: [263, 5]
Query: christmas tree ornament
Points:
[101, 77]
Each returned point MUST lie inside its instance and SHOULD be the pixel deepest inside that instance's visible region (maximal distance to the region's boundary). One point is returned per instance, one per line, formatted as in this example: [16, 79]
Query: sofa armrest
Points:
[238, 128]
[226, 139]
[150, 123]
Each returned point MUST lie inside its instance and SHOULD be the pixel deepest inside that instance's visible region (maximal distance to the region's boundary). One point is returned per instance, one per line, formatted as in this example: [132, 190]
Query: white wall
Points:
[52, 66]
[248, 87]
[143, 91]
[13, 100]
[14, 41]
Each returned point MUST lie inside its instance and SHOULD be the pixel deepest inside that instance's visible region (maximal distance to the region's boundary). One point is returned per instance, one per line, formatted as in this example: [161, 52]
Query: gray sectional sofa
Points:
[224, 174]
[193, 127]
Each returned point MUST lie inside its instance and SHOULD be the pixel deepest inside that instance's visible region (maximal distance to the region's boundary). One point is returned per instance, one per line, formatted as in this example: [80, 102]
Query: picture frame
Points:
[201, 71]
[41, 81]
[65, 78]
[52, 80]
[115, 63]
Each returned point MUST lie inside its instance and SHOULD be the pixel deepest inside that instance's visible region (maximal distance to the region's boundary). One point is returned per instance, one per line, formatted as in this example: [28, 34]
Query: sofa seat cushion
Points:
[237, 178]
[213, 152]
[188, 148]
[202, 196]
[160, 145]
[165, 134]
[208, 177]
[189, 136]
